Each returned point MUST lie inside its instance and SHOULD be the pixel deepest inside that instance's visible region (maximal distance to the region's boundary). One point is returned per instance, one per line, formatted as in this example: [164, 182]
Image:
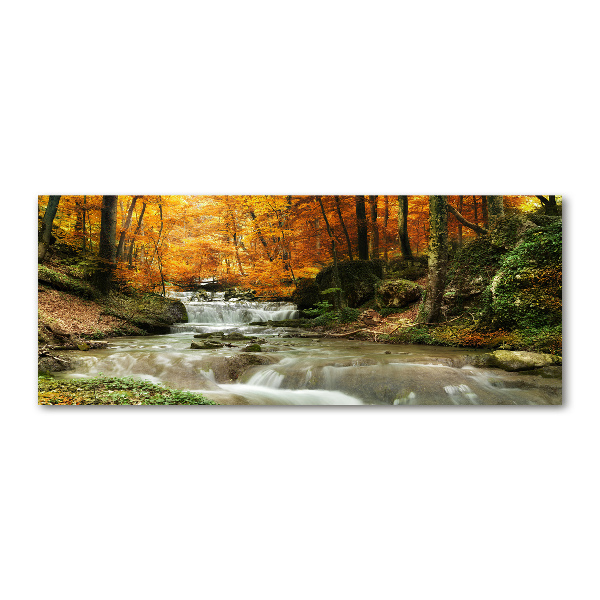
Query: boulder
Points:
[396, 293]
[306, 294]
[206, 345]
[252, 348]
[235, 336]
[521, 361]
[358, 278]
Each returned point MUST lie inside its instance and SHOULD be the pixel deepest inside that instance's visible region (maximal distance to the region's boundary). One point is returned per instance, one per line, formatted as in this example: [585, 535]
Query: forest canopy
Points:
[266, 243]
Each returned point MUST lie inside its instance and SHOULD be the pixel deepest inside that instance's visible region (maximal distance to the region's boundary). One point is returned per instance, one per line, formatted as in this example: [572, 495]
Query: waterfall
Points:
[214, 309]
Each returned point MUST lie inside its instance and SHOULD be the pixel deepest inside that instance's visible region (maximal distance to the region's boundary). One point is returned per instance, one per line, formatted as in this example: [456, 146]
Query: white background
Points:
[299, 503]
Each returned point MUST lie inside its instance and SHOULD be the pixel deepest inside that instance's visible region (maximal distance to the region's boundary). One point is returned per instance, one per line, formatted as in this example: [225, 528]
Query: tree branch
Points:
[466, 223]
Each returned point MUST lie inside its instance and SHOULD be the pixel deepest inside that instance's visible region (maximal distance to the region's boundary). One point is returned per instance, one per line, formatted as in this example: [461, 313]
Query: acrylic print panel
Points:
[300, 300]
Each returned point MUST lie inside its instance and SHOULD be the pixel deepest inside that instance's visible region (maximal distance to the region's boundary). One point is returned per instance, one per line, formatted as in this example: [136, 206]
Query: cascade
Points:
[214, 309]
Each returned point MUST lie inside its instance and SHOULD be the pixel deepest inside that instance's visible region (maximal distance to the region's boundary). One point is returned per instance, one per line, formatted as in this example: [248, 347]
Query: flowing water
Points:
[294, 369]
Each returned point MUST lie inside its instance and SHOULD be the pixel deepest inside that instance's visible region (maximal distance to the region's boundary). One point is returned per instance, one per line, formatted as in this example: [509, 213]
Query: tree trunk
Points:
[362, 228]
[386, 214]
[137, 230]
[125, 228]
[338, 303]
[346, 235]
[495, 206]
[550, 206]
[476, 216]
[484, 211]
[45, 234]
[403, 227]
[374, 237]
[460, 209]
[108, 238]
[438, 257]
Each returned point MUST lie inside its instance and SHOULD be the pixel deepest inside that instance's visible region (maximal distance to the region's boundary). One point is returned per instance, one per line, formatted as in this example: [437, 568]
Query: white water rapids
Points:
[296, 370]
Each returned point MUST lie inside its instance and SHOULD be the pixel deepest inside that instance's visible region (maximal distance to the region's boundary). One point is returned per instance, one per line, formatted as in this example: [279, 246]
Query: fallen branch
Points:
[348, 333]
[466, 223]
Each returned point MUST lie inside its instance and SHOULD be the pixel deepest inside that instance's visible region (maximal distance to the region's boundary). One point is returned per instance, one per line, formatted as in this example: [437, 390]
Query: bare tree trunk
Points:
[45, 234]
[374, 237]
[549, 204]
[403, 227]
[460, 209]
[476, 217]
[438, 257]
[386, 214]
[362, 228]
[125, 228]
[463, 221]
[137, 230]
[336, 274]
[346, 235]
[107, 248]
[484, 211]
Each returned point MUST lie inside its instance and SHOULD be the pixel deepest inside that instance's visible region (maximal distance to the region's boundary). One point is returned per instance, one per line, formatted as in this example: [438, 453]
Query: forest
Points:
[463, 271]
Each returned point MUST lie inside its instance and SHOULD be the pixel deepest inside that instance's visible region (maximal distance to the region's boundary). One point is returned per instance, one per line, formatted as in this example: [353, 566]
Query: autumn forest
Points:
[221, 282]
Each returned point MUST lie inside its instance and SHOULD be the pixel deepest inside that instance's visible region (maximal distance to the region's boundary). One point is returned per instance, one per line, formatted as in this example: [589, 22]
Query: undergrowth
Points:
[113, 391]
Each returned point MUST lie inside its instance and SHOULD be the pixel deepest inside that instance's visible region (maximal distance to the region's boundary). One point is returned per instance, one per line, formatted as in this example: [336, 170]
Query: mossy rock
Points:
[252, 348]
[306, 294]
[359, 279]
[522, 361]
[397, 293]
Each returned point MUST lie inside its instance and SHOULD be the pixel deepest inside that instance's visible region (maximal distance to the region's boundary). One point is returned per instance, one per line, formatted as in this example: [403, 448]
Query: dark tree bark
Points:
[549, 204]
[336, 273]
[403, 227]
[362, 228]
[107, 249]
[386, 215]
[438, 257]
[460, 209]
[45, 234]
[346, 235]
[476, 216]
[374, 237]
[495, 206]
[484, 211]
[125, 228]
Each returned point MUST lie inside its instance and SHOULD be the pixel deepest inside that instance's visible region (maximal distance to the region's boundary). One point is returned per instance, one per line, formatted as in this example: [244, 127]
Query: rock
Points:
[83, 346]
[252, 348]
[306, 294]
[397, 293]
[358, 278]
[235, 336]
[521, 361]
[207, 345]
[203, 335]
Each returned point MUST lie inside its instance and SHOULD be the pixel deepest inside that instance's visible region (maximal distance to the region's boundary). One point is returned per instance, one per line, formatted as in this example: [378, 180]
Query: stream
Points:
[296, 369]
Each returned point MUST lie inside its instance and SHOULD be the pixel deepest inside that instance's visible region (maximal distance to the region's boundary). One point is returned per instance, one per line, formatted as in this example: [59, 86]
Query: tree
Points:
[374, 237]
[108, 250]
[438, 257]
[495, 207]
[362, 229]
[403, 227]
[549, 204]
[45, 234]
[125, 228]
[336, 274]
[346, 235]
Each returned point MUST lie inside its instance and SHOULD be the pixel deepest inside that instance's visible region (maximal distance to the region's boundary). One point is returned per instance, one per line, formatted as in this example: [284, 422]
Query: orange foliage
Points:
[260, 242]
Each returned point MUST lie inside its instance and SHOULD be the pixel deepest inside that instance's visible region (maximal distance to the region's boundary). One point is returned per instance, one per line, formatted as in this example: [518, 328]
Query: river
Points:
[297, 370]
